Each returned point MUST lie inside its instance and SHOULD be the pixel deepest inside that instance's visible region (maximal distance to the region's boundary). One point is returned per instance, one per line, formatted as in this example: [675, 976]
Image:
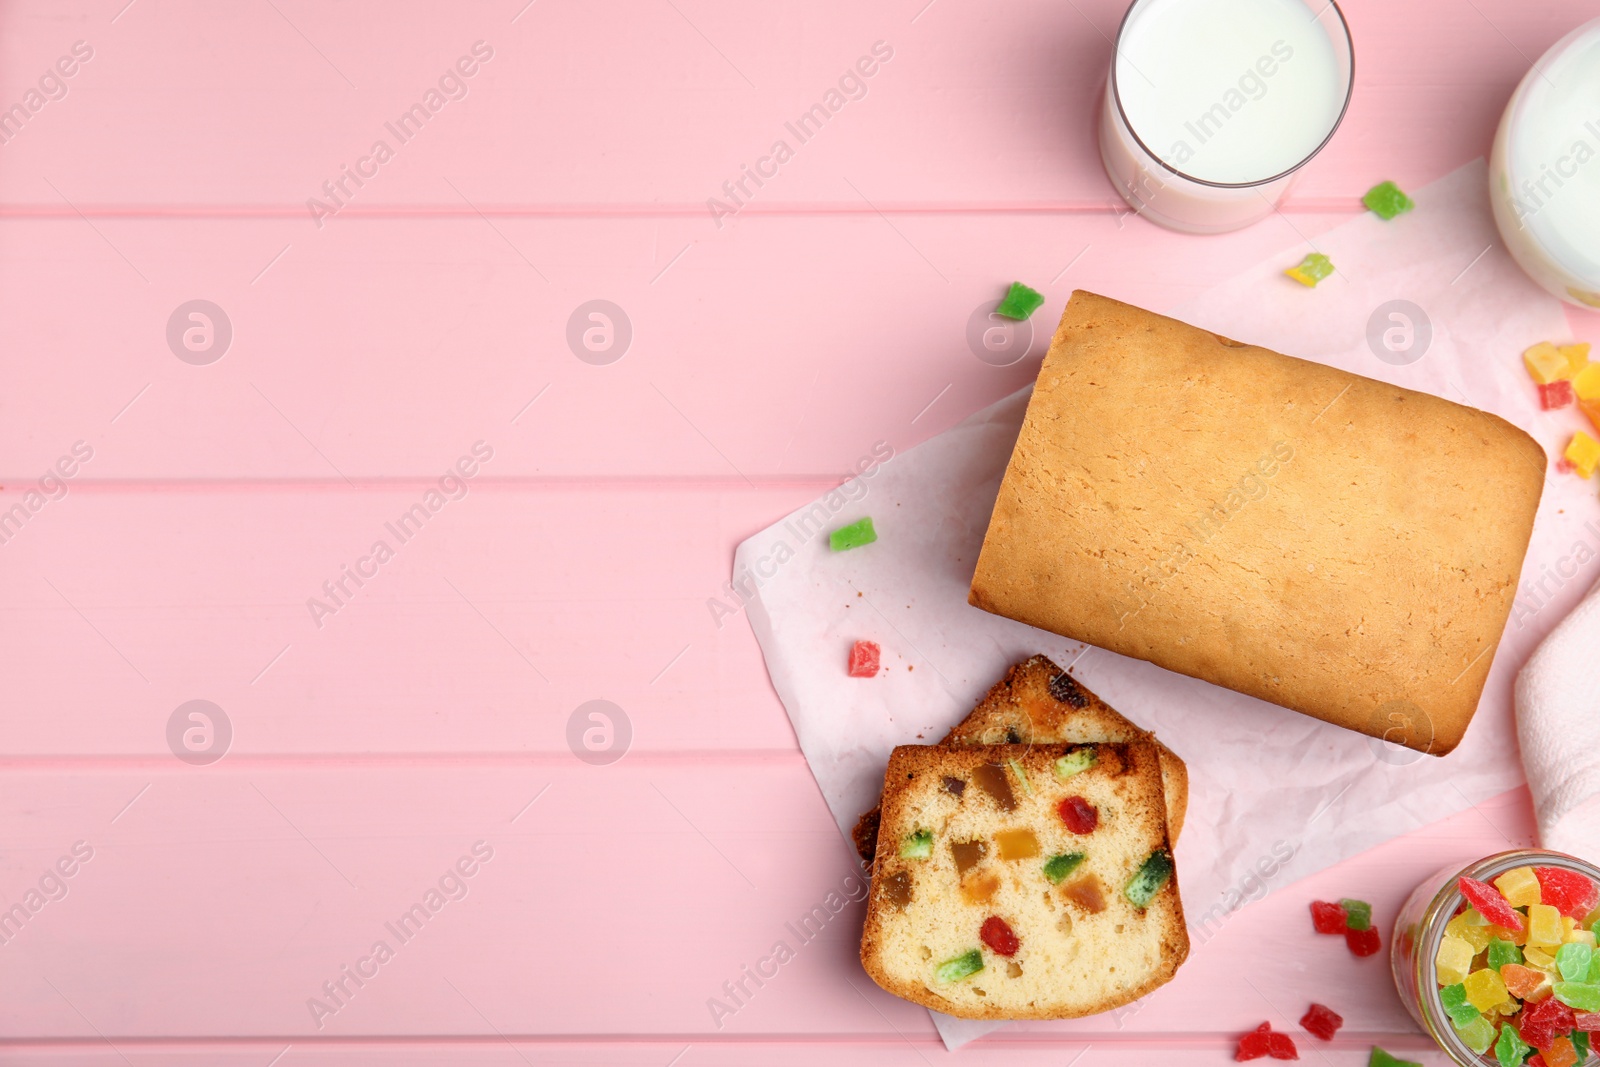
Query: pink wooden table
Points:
[415, 727]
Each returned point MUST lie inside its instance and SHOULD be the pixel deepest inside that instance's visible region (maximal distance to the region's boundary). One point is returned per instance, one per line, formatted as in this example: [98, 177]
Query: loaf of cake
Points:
[1023, 881]
[1319, 540]
[1039, 703]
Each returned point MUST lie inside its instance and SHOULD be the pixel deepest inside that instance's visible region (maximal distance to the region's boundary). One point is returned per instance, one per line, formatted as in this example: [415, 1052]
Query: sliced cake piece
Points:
[1039, 703]
[1023, 881]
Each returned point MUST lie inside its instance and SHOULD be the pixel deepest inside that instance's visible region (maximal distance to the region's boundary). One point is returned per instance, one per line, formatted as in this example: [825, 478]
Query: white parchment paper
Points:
[1274, 795]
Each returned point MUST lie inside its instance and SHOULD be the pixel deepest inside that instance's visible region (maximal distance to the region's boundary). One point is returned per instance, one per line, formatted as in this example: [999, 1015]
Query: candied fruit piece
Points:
[1584, 996]
[1502, 953]
[1065, 688]
[1453, 998]
[1475, 935]
[1358, 914]
[1281, 1046]
[968, 854]
[1022, 776]
[1321, 1021]
[1254, 1045]
[1573, 959]
[1580, 1044]
[1151, 877]
[917, 846]
[1386, 200]
[1086, 893]
[979, 886]
[954, 786]
[1555, 395]
[959, 967]
[1080, 816]
[1510, 1049]
[1327, 918]
[1453, 960]
[1576, 355]
[1545, 363]
[1539, 1024]
[1076, 762]
[1380, 1058]
[1362, 942]
[1561, 1053]
[1544, 925]
[1487, 899]
[1484, 989]
[1540, 956]
[1568, 892]
[897, 888]
[1523, 982]
[1520, 887]
[1056, 868]
[1020, 302]
[1586, 383]
[991, 778]
[997, 934]
[1311, 270]
[1477, 1035]
[1017, 844]
[855, 535]
[1587, 1021]
[864, 659]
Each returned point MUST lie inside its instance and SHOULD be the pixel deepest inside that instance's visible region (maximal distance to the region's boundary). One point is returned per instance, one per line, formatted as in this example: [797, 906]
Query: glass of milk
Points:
[1212, 106]
[1544, 172]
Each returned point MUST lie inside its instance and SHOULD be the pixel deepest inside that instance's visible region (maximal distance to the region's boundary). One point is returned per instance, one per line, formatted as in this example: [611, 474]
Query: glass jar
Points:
[1420, 927]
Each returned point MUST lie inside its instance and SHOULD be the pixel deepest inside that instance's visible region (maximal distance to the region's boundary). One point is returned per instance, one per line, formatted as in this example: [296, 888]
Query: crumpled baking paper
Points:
[1273, 795]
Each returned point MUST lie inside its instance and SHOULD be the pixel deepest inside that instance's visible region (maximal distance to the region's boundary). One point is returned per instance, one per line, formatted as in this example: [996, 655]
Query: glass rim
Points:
[1344, 107]
[1441, 909]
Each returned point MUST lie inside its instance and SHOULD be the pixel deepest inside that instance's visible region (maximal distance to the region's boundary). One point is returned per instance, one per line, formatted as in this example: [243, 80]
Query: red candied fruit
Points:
[1327, 918]
[1587, 1021]
[1490, 904]
[997, 934]
[864, 660]
[1536, 1060]
[1568, 891]
[1565, 466]
[1362, 942]
[1080, 816]
[1281, 1046]
[1557, 394]
[1254, 1045]
[1321, 1021]
[1540, 1024]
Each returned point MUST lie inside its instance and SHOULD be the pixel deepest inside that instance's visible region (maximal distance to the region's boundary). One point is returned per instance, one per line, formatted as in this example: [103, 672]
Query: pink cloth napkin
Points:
[1558, 727]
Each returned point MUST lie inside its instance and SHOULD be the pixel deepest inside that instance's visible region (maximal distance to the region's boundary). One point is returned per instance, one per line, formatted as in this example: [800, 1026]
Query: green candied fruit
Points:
[1511, 1050]
[1020, 302]
[1580, 996]
[1572, 960]
[1076, 762]
[963, 966]
[917, 846]
[1056, 868]
[1311, 270]
[1454, 1000]
[1478, 1035]
[1580, 1042]
[855, 535]
[1504, 952]
[1151, 877]
[1380, 1058]
[1022, 775]
[1385, 200]
[1358, 914]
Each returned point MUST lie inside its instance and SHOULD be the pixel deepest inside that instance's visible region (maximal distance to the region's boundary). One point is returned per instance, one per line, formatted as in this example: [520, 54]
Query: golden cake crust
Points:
[1319, 540]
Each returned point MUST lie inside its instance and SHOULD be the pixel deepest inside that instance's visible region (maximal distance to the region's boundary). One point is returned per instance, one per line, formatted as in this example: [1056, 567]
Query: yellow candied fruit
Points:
[1583, 453]
[1545, 363]
[1538, 958]
[1476, 936]
[1591, 408]
[1484, 989]
[1544, 921]
[1577, 357]
[1474, 917]
[1453, 961]
[1582, 937]
[1590, 919]
[1520, 887]
[1586, 383]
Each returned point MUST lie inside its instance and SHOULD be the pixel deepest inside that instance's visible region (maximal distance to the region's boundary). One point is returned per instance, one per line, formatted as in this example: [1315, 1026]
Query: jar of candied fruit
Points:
[1487, 991]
